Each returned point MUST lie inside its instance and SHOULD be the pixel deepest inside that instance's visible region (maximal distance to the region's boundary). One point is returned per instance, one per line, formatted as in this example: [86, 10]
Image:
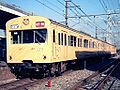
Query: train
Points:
[39, 45]
[2, 48]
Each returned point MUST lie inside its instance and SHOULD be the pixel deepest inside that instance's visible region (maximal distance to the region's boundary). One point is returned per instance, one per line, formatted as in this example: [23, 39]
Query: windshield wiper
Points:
[39, 34]
[37, 41]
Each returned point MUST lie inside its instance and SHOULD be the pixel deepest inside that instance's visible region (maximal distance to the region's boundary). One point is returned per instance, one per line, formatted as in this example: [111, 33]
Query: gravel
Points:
[6, 75]
[64, 82]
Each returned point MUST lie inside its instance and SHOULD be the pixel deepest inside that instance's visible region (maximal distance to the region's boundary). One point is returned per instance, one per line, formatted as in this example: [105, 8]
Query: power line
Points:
[109, 4]
[102, 5]
[49, 8]
[78, 16]
[54, 5]
[105, 4]
[119, 4]
[85, 15]
[60, 2]
[112, 3]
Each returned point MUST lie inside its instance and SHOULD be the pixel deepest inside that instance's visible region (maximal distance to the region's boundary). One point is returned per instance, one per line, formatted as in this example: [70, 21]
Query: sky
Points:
[55, 9]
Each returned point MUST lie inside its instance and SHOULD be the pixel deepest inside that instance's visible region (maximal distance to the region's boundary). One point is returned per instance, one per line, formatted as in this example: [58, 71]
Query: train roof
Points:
[67, 27]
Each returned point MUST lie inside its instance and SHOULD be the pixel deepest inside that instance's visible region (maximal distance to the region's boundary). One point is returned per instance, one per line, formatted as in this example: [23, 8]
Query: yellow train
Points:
[43, 45]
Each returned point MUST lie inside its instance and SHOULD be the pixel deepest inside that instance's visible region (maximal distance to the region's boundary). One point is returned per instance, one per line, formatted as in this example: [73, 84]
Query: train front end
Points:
[27, 42]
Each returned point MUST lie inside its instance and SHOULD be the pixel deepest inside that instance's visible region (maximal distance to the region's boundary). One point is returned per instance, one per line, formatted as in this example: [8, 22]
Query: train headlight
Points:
[44, 57]
[10, 57]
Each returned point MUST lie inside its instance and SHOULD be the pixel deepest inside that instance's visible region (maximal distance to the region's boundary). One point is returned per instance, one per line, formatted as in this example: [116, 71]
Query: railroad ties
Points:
[101, 79]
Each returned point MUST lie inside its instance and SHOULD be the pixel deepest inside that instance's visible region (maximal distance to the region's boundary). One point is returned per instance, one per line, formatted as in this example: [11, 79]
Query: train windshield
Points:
[29, 36]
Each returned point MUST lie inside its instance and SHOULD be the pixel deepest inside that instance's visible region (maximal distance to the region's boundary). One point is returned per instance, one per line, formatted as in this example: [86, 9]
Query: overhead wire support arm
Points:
[96, 15]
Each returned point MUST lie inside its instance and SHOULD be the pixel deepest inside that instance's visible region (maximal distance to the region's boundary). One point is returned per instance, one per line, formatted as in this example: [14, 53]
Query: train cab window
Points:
[53, 35]
[85, 43]
[16, 37]
[40, 36]
[29, 36]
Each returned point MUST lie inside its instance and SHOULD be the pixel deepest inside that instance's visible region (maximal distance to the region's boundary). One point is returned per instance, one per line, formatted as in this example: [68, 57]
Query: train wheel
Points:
[52, 70]
[58, 69]
[63, 67]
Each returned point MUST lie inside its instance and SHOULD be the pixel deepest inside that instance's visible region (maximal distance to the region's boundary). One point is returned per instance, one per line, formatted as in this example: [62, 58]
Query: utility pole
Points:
[109, 29]
[96, 35]
[66, 12]
[96, 29]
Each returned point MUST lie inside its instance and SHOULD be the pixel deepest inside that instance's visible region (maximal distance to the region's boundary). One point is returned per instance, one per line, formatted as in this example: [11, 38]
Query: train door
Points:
[65, 46]
[61, 50]
[59, 46]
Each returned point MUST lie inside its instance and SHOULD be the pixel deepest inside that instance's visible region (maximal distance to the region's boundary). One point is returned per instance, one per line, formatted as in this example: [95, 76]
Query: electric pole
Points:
[66, 12]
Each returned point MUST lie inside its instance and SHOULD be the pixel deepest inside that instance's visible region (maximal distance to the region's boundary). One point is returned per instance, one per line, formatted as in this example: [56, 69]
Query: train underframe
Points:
[29, 69]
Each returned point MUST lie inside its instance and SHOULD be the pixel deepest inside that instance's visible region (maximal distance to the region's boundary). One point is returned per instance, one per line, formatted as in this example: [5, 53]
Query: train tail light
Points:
[40, 24]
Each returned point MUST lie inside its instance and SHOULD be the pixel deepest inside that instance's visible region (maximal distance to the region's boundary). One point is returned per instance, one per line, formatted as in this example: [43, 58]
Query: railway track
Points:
[100, 84]
[14, 84]
[24, 84]
[97, 79]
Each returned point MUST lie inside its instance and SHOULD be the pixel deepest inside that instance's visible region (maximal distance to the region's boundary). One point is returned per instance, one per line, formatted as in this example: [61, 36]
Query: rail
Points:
[101, 83]
[84, 82]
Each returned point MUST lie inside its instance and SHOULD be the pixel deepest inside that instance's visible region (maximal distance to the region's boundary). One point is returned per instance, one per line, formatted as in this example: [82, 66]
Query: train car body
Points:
[43, 41]
[2, 48]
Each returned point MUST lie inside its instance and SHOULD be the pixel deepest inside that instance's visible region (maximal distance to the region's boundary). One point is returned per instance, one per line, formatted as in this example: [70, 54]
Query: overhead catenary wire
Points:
[49, 7]
[105, 5]
[60, 2]
[102, 6]
[86, 16]
[109, 4]
[118, 4]
[54, 5]
[78, 16]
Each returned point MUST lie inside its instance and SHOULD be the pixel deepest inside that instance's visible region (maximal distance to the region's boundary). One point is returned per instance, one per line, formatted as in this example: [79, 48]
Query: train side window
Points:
[89, 44]
[16, 37]
[98, 45]
[61, 38]
[75, 41]
[85, 43]
[53, 35]
[65, 40]
[69, 43]
[80, 44]
[71, 40]
[93, 44]
[58, 38]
